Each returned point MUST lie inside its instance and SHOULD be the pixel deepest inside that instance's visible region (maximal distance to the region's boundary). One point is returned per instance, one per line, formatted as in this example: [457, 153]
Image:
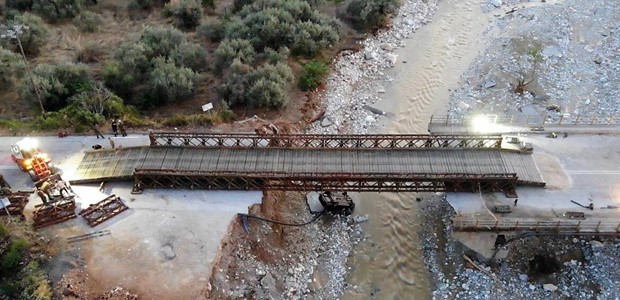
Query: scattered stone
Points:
[596, 244]
[523, 277]
[360, 218]
[496, 3]
[326, 122]
[550, 287]
[489, 84]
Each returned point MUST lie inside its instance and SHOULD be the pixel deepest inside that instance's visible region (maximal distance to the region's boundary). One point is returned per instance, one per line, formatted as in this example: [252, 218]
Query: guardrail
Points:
[317, 141]
[526, 120]
[535, 226]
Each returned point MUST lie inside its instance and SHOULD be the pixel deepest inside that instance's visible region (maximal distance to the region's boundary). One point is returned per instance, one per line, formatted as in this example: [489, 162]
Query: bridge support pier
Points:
[483, 243]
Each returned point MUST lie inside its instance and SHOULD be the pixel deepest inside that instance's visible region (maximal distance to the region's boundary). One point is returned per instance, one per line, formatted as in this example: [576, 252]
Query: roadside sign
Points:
[207, 106]
[4, 203]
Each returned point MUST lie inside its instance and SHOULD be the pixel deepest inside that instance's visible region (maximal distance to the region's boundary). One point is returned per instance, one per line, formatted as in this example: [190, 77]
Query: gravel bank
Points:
[569, 52]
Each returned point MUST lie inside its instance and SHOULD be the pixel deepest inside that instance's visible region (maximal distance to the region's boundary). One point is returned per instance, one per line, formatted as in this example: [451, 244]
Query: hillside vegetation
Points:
[156, 61]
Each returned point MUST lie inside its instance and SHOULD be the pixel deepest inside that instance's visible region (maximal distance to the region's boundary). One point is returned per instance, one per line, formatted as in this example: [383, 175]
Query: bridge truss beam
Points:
[316, 141]
[361, 182]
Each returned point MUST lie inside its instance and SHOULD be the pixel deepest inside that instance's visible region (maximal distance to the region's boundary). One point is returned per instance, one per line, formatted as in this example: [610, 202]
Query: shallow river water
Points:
[390, 265]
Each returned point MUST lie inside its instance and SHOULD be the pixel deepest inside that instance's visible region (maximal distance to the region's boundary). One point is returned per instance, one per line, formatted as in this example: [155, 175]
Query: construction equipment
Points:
[337, 204]
[29, 158]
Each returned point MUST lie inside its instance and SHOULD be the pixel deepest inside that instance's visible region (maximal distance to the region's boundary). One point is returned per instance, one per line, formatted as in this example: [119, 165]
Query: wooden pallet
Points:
[57, 212]
[103, 210]
[18, 202]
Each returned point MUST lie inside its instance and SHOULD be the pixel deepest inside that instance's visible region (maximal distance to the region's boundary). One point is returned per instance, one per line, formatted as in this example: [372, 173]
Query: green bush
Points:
[162, 40]
[312, 75]
[146, 4]
[273, 56]
[169, 83]
[2, 231]
[115, 78]
[365, 14]
[35, 283]
[239, 4]
[208, 3]
[99, 101]
[57, 10]
[211, 29]
[91, 52]
[13, 257]
[270, 83]
[190, 55]
[276, 23]
[20, 5]
[12, 67]
[134, 58]
[35, 36]
[187, 13]
[262, 87]
[87, 21]
[229, 50]
[57, 83]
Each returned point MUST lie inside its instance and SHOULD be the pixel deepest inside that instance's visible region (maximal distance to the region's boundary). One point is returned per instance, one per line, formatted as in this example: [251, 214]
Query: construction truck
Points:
[339, 204]
[29, 158]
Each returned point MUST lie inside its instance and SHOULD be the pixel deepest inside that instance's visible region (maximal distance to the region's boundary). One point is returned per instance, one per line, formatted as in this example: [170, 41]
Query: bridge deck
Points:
[120, 163]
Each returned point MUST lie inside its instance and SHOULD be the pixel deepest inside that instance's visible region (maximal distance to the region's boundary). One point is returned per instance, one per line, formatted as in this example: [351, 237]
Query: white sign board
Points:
[207, 106]
[4, 202]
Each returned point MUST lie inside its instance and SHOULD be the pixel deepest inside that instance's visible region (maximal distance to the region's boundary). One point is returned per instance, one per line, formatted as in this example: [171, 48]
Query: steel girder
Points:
[419, 182]
[316, 141]
[103, 210]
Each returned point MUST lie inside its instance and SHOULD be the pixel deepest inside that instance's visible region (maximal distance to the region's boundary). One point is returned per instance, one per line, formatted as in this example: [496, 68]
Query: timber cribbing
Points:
[314, 162]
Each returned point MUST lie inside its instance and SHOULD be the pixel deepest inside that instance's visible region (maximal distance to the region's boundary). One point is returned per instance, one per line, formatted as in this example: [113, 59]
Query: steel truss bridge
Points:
[298, 162]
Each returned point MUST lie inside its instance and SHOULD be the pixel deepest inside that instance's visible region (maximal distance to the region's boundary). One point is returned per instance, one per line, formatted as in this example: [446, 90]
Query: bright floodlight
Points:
[28, 144]
[483, 123]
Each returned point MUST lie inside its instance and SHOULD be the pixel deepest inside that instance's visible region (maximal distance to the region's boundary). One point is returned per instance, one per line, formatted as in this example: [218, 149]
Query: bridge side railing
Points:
[312, 181]
[532, 120]
[312, 141]
[460, 224]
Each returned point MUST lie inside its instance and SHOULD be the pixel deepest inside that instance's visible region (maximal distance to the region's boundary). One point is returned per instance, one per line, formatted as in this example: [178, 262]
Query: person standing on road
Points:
[115, 126]
[516, 200]
[111, 142]
[97, 131]
[42, 196]
[62, 187]
[121, 127]
[46, 187]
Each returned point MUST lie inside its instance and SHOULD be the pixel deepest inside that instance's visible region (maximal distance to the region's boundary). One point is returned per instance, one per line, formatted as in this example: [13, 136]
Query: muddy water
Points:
[391, 266]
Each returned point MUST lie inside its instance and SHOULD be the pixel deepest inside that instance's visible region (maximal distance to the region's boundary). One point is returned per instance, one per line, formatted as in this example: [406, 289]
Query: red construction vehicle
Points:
[29, 158]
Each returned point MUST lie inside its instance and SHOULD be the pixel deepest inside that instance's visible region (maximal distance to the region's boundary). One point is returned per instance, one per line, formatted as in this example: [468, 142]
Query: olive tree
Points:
[12, 67]
[365, 14]
[187, 13]
[56, 10]
[169, 83]
[162, 40]
[35, 36]
[57, 83]
[232, 49]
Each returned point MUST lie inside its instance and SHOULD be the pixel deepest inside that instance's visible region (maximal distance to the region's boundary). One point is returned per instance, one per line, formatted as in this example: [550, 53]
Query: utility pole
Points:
[14, 33]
